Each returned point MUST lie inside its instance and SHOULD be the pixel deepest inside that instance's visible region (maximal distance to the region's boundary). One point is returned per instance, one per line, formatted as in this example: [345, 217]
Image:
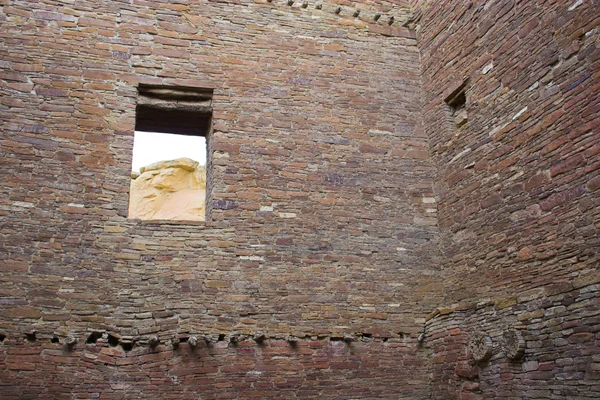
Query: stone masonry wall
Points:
[321, 221]
[517, 185]
[559, 332]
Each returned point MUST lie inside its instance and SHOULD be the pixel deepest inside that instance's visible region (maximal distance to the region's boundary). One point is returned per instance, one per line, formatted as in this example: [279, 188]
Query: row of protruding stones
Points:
[70, 340]
[339, 10]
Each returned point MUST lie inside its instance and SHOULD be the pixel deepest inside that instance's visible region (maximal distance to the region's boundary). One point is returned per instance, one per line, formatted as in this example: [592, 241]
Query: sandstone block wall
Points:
[517, 191]
[559, 333]
[321, 222]
[517, 184]
[366, 185]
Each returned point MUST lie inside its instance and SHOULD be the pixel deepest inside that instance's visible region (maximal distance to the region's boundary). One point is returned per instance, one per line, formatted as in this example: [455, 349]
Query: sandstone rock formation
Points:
[170, 190]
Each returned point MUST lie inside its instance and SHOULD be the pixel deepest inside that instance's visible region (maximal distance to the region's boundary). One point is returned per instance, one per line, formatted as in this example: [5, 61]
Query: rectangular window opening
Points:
[456, 107]
[169, 174]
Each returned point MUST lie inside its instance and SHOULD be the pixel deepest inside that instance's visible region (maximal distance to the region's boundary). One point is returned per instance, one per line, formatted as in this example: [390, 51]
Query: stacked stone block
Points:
[369, 163]
[320, 220]
[517, 191]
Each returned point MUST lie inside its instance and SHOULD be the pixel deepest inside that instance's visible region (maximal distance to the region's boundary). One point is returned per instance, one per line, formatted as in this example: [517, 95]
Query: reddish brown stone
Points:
[328, 216]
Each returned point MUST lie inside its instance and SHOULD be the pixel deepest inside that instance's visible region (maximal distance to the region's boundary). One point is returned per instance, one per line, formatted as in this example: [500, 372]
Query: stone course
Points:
[518, 203]
[311, 368]
[362, 223]
[560, 332]
[518, 208]
[319, 200]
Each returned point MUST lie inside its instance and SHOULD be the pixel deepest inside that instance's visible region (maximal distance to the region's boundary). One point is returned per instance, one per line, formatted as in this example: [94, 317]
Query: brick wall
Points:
[274, 369]
[331, 173]
[517, 191]
[516, 185]
[322, 214]
[559, 330]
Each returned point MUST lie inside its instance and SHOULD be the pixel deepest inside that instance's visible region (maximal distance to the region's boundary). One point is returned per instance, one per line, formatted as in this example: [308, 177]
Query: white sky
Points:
[150, 147]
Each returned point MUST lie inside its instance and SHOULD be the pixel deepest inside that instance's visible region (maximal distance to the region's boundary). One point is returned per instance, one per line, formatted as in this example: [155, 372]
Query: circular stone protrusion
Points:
[512, 344]
[259, 337]
[349, 338]
[71, 341]
[153, 341]
[480, 346]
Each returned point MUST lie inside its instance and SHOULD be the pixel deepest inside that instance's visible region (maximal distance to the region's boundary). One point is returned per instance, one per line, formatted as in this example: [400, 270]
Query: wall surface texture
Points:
[368, 235]
[321, 215]
[518, 191]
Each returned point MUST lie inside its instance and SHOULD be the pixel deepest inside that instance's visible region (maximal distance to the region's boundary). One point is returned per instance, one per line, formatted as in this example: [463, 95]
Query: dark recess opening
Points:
[458, 102]
[178, 110]
[180, 122]
[113, 341]
[456, 106]
[127, 346]
[93, 338]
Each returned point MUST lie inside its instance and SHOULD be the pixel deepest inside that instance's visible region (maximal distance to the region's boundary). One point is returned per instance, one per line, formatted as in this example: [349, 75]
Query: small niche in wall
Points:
[456, 106]
[93, 338]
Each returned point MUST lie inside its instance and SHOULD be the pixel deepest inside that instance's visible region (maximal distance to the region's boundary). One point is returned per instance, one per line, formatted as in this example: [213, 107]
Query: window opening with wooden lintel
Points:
[173, 128]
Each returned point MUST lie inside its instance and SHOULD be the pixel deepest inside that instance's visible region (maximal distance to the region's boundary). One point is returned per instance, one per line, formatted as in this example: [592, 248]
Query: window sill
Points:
[166, 222]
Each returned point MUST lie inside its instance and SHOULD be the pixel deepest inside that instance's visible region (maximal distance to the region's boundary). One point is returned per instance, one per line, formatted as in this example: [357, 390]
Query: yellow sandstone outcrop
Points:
[171, 190]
